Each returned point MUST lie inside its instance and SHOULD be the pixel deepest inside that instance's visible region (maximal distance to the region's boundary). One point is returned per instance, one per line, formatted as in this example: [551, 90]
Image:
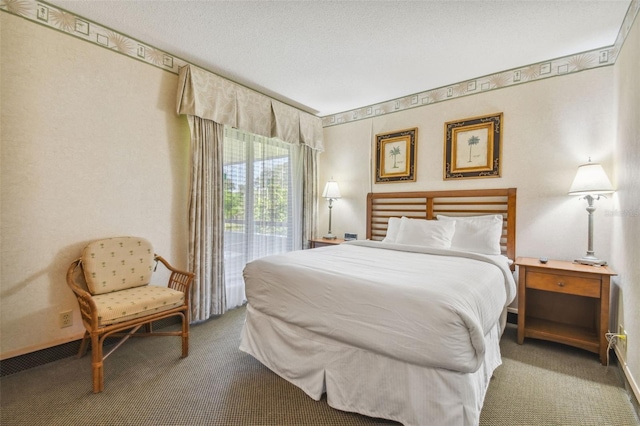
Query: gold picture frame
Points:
[396, 156]
[473, 147]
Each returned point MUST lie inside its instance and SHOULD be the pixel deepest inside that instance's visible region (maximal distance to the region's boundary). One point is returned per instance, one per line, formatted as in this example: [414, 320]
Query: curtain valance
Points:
[206, 95]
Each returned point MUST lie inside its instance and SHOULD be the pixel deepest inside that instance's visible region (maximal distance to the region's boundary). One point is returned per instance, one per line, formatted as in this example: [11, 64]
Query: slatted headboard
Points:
[428, 204]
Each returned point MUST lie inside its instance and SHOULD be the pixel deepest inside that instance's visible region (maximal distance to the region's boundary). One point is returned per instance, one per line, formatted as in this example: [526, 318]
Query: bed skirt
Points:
[367, 383]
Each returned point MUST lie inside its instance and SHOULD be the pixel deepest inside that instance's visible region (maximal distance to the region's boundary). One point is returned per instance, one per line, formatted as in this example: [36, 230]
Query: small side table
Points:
[321, 242]
[564, 302]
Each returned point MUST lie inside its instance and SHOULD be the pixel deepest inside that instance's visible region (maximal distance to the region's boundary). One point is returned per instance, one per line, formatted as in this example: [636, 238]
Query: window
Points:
[262, 203]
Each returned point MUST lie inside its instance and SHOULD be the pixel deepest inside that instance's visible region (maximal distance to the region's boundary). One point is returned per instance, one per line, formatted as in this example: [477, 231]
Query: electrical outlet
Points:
[66, 319]
[622, 342]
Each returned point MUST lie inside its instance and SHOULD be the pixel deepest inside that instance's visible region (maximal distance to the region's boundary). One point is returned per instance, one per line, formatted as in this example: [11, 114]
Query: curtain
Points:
[212, 102]
[309, 193]
[206, 219]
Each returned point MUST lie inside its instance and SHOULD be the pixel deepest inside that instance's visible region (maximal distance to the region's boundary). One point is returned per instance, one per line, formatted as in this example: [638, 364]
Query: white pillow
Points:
[393, 226]
[478, 234]
[426, 233]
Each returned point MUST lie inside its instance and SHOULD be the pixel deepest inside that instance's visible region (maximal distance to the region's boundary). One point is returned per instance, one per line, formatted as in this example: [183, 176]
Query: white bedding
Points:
[364, 382]
[427, 307]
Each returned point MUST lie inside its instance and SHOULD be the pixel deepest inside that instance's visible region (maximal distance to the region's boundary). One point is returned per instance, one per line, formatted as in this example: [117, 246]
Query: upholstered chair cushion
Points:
[135, 302]
[115, 264]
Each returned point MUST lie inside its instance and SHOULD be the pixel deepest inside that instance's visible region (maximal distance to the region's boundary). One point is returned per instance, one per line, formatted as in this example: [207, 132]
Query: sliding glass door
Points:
[262, 203]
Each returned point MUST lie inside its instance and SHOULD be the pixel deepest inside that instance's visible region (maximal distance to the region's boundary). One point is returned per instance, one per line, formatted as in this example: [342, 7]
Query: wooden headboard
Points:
[428, 204]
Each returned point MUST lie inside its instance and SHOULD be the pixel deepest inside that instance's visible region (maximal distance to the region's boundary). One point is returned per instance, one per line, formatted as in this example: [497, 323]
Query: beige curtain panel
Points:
[206, 220]
[206, 95]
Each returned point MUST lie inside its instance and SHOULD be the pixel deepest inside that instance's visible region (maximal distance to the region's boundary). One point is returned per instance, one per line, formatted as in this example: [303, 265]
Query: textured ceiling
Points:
[332, 56]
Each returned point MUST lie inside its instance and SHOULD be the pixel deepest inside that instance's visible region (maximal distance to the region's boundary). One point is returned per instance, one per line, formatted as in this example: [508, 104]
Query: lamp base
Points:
[329, 236]
[592, 261]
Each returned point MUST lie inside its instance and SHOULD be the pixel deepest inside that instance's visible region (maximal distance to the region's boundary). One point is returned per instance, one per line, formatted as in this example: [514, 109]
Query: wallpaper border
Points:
[59, 19]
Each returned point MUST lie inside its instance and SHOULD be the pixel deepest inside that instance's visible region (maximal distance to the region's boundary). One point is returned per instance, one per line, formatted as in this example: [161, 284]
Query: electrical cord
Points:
[612, 338]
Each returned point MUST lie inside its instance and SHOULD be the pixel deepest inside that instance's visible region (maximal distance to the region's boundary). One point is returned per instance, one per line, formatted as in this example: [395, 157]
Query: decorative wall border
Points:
[61, 20]
[596, 58]
[54, 17]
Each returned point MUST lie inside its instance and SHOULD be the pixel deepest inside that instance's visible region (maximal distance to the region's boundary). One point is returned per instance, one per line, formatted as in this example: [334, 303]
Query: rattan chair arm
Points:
[179, 280]
[88, 308]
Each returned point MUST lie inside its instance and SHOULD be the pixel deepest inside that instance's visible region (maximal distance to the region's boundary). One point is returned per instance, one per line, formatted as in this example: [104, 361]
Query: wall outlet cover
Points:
[623, 341]
[66, 319]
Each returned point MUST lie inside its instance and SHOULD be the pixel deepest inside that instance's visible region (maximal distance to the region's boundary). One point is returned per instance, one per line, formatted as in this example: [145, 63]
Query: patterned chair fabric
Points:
[115, 264]
[135, 302]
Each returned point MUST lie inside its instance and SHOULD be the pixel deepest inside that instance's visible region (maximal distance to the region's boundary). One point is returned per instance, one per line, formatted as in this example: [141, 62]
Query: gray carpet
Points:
[539, 383]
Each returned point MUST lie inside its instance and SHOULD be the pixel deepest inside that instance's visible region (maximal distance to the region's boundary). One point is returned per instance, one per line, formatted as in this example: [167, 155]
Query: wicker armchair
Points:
[111, 283]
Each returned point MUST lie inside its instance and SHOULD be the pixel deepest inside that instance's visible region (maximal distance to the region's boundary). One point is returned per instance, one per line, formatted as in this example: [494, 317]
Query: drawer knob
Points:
[560, 284]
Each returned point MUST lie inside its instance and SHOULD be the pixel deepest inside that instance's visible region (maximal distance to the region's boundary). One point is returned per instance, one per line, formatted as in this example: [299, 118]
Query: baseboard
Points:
[34, 359]
[630, 383]
[55, 353]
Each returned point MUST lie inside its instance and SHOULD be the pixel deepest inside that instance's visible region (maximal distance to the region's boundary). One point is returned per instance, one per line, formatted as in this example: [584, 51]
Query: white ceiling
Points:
[333, 56]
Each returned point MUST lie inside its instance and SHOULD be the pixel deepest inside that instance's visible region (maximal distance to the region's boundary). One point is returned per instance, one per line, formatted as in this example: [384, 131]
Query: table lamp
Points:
[331, 192]
[591, 182]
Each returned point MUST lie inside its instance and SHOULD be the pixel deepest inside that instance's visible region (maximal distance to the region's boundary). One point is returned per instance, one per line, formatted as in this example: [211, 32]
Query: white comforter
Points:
[429, 307]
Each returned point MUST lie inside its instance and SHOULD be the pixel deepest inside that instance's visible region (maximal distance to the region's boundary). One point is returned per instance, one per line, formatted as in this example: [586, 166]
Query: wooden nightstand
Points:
[321, 242]
[564, 302]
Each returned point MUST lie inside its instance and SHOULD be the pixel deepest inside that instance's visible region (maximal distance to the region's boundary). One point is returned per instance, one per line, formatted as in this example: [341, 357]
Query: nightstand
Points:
[564, 302]
[321, 242]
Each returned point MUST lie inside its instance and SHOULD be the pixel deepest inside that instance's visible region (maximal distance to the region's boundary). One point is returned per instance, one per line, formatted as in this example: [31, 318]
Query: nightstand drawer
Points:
[564, 284]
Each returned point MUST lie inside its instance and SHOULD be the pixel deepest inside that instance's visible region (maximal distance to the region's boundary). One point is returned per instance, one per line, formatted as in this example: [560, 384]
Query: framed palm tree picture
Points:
[396, 156]
[473, 147]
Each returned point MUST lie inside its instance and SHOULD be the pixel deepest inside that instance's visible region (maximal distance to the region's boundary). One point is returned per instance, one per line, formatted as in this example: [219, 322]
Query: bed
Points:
[404, 325]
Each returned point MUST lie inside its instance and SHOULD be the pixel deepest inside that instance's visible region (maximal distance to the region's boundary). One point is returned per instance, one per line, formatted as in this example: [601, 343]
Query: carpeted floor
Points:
[539, 383]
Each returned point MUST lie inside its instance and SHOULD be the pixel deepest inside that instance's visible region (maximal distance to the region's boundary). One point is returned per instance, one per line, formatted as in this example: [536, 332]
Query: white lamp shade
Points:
[331, 190]
[590, 179]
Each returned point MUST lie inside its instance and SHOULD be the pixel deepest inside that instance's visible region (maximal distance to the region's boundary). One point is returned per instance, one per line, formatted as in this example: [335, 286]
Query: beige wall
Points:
[550, 127]
[91, 148]
[626, 208]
